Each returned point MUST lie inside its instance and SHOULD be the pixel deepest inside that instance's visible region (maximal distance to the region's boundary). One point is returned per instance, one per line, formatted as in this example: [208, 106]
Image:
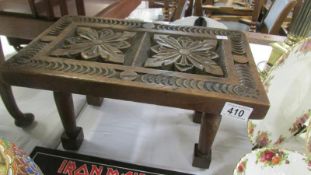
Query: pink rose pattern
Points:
[262, 139]
[309, 145]
[272, 157]
[299, 123]
[279, 140]
[308, 161]
[241, 167]
[305, 47]
[251, 126]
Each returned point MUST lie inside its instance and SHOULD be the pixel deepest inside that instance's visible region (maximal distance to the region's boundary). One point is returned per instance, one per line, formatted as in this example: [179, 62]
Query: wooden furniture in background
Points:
[228, 9]
[272, 22]
[288, 22]
[276, 16]
[58, 8]
[262, 38]
[152, 63]
[119, 9]
[172, 9]
[53, 9]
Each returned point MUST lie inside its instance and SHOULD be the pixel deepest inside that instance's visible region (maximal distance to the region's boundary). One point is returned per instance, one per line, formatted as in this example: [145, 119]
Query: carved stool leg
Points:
[197, 117]
[73, 136]
[202, 151]
[21, 120]
[95, 101]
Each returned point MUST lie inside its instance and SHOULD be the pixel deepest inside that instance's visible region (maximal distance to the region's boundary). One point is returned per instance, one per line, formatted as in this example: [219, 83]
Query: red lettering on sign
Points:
[82, 170]
[61, 167]
[70, 167]
[110, 171]
[96, 170]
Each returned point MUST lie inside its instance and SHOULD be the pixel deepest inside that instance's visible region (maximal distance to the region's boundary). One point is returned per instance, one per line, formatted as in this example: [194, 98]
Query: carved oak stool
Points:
[187, 67]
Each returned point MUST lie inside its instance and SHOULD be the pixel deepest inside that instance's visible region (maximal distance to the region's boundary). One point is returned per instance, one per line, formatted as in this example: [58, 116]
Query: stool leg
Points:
[202, 151]
[197, 117]
[73, 136]
[21, 120]
[95, 101]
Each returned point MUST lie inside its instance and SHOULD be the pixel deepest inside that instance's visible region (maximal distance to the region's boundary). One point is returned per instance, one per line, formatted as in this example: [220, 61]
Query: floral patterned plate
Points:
[288, 88]
[14, 161]
[273, 161]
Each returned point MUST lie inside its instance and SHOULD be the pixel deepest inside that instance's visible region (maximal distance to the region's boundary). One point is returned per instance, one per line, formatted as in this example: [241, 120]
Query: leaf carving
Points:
[185, 55]
[104, 44]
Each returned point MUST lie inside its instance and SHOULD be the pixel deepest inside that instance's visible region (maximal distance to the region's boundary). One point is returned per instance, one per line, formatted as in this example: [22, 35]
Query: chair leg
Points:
[21, 120]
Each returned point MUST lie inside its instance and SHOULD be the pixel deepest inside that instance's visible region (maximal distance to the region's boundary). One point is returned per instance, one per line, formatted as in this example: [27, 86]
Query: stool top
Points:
[187, 67]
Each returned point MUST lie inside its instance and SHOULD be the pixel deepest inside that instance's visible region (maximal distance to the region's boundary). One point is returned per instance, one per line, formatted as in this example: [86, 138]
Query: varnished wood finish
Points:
[208, 92]
[33, 7]
[198, 11]
[80, 7]
[120, 9]
[208, 2]
[265, 39]
[73, 135]
[16, 26]
[63, 7]
[257, 6]
[179, 10]
[209, 127]
[120, 59]
[21, 119]
[228, 10]
[172, 9]
[95, 101]
[49, 9]
[247, 14]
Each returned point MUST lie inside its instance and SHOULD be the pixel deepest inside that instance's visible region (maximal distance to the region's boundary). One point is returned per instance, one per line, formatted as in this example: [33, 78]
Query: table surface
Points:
[50, 62]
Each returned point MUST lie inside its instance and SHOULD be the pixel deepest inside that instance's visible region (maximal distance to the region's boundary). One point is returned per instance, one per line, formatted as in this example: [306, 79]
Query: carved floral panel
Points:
[104, 45]
[184, 54]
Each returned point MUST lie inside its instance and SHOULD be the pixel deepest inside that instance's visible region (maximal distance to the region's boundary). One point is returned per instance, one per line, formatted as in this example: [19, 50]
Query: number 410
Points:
[236, 112]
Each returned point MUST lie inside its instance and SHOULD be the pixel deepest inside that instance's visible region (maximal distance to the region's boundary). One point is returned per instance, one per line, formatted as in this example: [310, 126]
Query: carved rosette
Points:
[185, 55]
[90, 44]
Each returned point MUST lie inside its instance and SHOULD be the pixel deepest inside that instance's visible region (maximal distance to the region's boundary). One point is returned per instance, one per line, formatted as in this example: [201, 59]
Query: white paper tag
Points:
[221, 37]
[236, 111]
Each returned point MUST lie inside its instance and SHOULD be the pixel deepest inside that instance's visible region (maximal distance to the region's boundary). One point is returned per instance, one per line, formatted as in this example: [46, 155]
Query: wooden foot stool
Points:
[186, 67]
